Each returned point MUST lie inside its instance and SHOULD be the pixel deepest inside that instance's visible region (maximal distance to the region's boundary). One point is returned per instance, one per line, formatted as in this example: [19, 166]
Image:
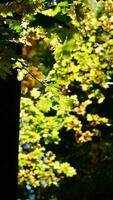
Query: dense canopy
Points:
[63, 52]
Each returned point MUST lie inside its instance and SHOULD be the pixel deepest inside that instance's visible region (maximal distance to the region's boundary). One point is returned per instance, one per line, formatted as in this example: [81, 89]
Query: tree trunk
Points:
[9, 131]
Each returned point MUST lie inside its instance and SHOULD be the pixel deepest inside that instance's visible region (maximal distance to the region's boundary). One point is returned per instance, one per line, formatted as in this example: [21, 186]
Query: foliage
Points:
[66, 66]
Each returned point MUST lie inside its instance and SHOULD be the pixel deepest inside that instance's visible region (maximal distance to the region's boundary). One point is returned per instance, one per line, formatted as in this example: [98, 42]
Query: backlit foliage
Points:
[67, 67]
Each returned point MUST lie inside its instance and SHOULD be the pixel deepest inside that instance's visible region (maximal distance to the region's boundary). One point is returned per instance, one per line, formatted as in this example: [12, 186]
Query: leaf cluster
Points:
[63, 53]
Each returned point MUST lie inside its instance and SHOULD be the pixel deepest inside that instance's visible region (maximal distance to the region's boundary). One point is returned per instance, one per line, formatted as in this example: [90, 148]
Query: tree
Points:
[9, 128]
[66, 120]
[9, 112]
